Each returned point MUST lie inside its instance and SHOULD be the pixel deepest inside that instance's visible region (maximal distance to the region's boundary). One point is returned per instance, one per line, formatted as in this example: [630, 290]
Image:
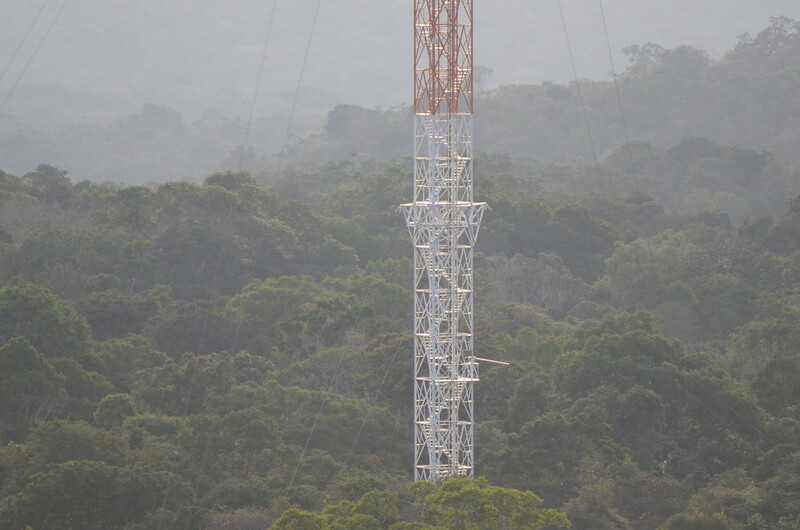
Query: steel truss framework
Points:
[443, 221]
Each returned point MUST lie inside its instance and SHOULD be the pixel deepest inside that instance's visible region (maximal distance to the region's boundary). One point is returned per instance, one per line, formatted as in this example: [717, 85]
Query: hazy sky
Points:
[192, 54]
[81, 79]
[534, 49]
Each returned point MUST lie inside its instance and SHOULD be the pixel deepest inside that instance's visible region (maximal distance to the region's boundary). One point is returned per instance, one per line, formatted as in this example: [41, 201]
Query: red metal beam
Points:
[443, 57]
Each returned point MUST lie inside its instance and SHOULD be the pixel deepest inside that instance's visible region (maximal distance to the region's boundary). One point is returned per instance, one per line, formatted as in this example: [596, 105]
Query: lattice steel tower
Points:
[443, 221]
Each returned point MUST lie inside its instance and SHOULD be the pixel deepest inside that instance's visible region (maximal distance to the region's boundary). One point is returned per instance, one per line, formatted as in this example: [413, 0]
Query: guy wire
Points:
[619, 99]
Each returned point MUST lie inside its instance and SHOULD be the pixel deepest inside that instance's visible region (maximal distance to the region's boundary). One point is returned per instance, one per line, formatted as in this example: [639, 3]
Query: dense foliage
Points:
[236, 353]
[217, 353]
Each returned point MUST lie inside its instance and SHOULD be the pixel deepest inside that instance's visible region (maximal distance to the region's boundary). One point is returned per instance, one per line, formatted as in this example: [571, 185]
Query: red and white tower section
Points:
[443, 221]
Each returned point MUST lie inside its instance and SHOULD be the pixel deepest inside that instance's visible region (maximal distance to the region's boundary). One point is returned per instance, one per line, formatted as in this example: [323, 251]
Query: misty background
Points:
[152, 91]
[215, 346]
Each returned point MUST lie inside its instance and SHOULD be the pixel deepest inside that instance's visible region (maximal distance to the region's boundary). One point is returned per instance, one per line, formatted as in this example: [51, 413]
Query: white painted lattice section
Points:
[443, 221]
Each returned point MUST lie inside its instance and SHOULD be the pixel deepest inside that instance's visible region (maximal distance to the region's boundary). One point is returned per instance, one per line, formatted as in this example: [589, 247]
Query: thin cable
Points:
[258, 84]
[33, 55]
[24, 38]
[722, 420]
[328, 392]
[619, 99]
[316, 421]
[717, 395]
[297, 90]
[366, 413]
[195, 496]
[580, 98]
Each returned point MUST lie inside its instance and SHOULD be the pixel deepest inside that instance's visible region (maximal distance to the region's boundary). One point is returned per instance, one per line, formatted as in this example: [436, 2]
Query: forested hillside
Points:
[211, 355]
[236, 352]
[745, 98]
[108, 56]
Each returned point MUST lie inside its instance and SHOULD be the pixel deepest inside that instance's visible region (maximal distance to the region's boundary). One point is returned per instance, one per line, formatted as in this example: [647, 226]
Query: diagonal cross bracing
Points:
[443, 221]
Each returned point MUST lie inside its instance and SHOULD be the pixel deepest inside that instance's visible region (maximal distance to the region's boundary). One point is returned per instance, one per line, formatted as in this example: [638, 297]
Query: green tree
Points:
[196, 327]
[113, 409]
[700, 522]
[50, 184]
[592, 508]
[84, 388]
[50, 324]
[30, 388]
[184, 387]
[262, 305]
[60, 441]
[122, 359]
[91, 495]
[295, 519]
[247, 433]
[113, 315]
[466, 503]
[457, 503]
[777, 385]
[229, 180]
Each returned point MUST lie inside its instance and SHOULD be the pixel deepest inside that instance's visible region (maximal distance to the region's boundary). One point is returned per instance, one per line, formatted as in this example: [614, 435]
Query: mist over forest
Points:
[152, 91]
[198, 331]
